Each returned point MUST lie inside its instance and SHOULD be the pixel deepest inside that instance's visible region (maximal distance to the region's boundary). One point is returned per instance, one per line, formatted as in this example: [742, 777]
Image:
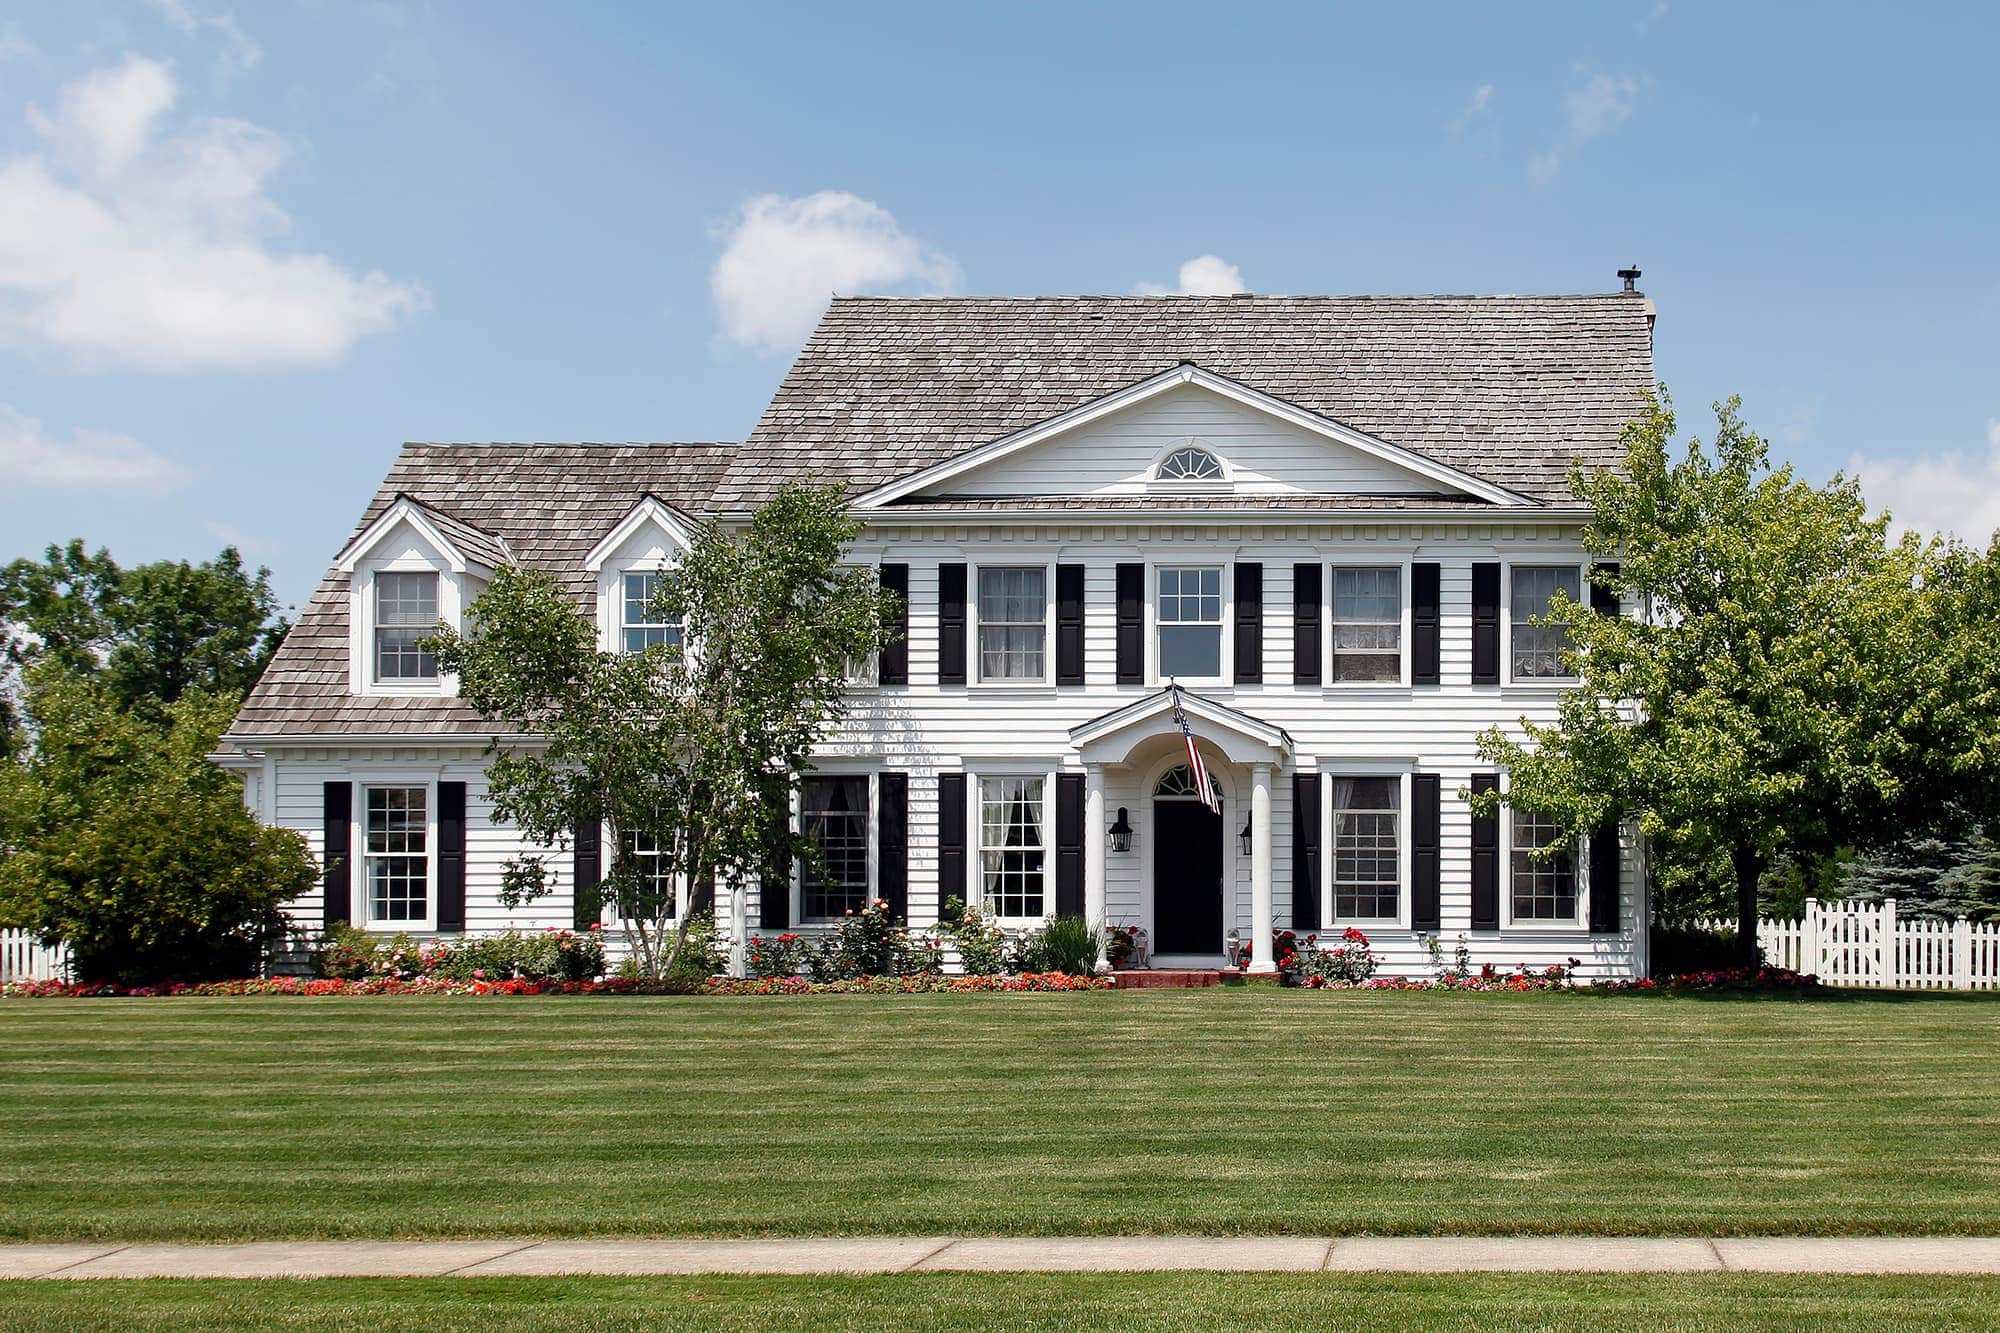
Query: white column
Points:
[739, 929]
[1260, 870]
[1094, 836]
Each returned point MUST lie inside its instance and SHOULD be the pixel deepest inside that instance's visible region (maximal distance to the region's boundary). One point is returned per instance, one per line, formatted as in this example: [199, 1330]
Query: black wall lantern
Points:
[1121, 833]
[1246, 835]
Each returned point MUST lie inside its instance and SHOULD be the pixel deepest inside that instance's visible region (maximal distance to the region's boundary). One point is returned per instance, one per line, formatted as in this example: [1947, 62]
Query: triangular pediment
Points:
[652, 524]
[1148, 439]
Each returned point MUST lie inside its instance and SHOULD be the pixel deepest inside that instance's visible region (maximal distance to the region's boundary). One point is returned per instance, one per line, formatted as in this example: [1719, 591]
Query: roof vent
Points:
[1631, 277]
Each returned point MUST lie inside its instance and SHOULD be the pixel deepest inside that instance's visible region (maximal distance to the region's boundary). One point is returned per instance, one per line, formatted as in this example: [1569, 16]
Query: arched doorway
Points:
[1187, 867]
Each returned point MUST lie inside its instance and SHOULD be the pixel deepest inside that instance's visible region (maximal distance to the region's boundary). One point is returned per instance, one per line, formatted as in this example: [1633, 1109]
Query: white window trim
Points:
[1221, 485]
[683, 886]
[361, 664]
[360, 903]
[975, 668]
[611, 597]
[1404, 771]
[1580, 861]
[1210, 559]
[1507, 619]
[795, 913]
[975, 867]
[1403, 681]
[869, 679]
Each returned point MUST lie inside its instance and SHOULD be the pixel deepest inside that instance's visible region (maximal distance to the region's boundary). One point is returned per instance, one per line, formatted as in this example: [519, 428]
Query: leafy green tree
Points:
[1932, 874]
[1781, 693]
[688, 745]
[119, 837]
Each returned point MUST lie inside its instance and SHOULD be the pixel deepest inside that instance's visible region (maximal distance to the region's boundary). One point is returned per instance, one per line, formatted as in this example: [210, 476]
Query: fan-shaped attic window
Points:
[1190, 464]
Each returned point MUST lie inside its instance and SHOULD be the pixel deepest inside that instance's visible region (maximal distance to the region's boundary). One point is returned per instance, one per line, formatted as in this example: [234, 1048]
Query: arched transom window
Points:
[1179, 782]
[1192, 463]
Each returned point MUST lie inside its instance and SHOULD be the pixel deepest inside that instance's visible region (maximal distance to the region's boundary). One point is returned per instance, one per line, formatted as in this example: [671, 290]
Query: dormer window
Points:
[641, 626]
[1190, 464]
[406, 611]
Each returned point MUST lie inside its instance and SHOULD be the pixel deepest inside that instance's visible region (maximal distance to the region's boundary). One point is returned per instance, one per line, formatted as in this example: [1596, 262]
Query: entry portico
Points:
[1132, 748]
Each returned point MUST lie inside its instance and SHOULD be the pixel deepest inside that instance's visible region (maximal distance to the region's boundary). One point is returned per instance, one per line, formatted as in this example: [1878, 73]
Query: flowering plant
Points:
[1347, 963]
[1123, 943]
[780, 956]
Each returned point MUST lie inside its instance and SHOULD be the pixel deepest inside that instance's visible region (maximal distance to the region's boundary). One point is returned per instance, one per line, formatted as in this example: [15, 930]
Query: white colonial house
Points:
[1329, 519]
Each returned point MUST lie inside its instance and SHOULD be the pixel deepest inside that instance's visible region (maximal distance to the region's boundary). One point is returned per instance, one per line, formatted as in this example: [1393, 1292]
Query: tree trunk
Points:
[1749, 869]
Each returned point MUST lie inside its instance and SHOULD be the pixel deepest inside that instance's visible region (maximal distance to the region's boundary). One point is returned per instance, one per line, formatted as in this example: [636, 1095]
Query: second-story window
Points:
[1013, 622]
[406, 612]
[1368, 624]
[1190, 614]
[641, 626]
[1538, 649]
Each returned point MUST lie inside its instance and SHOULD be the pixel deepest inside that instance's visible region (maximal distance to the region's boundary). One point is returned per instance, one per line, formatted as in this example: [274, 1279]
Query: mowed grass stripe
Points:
[1237, 1111]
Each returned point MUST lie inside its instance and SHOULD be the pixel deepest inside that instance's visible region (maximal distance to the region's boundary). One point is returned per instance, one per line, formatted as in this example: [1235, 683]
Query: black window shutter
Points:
[1426, 912]
[1425, 621]
[1485, 859]
[336, 884]
[1069, 844]
[1306, 603]
[1486, 623]
[1305, 844]
[951, 837]
[774, 884]
[1069, 624]
[586, 873]
[1249, 623]
[951, 624]
[451, 856]
[1604, 878]
[1603, 597]
[892, 664]
[1131, 624]
[892, 850]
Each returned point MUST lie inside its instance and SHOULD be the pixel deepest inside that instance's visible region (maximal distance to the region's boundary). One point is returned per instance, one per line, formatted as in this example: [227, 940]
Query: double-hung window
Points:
[1368, 624]
[406, 612]
[655, 884]
[833, 813]
[396, 853]
[1013, 623]
[641, 625]
[1538, 649]
[1190, 621]
[1367, 848]
[1011, 850]
[1543, 888]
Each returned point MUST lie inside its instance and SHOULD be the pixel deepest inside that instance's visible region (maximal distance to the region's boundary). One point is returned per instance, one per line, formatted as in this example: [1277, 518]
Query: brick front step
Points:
[1174, 978]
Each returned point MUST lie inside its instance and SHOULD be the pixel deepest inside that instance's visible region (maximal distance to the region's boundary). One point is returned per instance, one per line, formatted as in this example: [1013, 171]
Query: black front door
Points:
[1187, 878]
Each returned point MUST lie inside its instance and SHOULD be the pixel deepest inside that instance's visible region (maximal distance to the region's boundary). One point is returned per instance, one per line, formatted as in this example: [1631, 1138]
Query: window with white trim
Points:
[1013, 623]
[396, 855]
[1537, 650]
[833, 812]
[406, 612]
[1190, 621]
[654, 883]
[1543, 888]
[1011, 850]
[1367, 848]
[1368, 624]
[1190, 464]
[641, 625]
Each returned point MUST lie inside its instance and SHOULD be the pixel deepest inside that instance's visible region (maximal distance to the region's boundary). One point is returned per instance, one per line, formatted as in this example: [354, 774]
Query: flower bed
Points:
[317, 986]
[1780, 979]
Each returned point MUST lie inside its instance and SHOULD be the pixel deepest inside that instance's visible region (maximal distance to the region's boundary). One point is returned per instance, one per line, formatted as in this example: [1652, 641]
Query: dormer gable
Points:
[411, 569]
[458, 545]
[650, 526]
[651, 537]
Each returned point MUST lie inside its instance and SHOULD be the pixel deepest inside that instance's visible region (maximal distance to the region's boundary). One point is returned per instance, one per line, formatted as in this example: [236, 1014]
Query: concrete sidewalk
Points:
[1009, 1254]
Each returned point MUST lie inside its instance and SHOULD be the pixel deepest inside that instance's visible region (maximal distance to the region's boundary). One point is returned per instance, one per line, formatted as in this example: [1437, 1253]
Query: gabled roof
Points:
[1187, 373]
[1506, 388]
[1242, 737]
[650, 509]
[463, 546]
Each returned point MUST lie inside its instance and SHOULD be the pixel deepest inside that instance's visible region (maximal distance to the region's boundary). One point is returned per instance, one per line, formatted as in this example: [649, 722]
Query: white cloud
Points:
[1952, 492]
[1594, 109]
[240, 52]
[89, 459]
[783, 258]
[1204, 275]
[124, 244]
[1477, 108]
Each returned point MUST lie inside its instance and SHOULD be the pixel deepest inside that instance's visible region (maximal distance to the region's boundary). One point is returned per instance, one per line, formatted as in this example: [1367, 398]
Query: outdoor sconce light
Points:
[1244, 838]
[1121, 833]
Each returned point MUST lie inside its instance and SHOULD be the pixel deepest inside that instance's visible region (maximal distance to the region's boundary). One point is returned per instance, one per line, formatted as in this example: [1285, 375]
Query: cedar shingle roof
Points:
[1509, 388]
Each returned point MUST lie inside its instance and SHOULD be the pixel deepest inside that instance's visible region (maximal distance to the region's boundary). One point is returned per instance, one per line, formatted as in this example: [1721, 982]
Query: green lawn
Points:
[1242, 1110]
[1023, 1301]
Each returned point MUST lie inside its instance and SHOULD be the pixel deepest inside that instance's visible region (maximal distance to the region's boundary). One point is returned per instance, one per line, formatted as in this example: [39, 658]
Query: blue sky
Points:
[245, 252]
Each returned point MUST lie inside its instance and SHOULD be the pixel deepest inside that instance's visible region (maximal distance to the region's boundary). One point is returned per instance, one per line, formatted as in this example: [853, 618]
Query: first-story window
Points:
[1544, 888]
[396, 849]
[1013, 620]
[833, 812]
[1190, 616]
[642, 626]
[406, 612]
[655, 885]
[1368, 624]
[1538, 649]
[1010, 846]
[1367, 848]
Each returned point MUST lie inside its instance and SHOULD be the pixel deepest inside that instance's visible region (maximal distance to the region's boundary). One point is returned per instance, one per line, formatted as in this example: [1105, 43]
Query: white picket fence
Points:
[23, 958]
[1866, 944]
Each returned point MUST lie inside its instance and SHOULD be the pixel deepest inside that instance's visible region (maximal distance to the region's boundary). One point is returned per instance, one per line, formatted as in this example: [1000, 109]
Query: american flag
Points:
[1197, 769]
